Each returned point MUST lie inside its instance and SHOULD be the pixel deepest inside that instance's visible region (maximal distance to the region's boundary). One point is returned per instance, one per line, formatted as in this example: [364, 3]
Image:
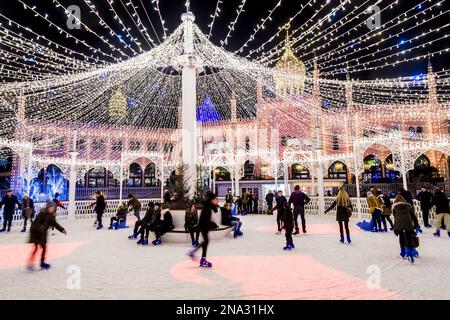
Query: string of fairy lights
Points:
[128, 76]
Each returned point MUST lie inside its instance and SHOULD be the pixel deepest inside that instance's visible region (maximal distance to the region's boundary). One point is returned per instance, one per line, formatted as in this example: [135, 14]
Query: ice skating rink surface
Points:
[252, 267]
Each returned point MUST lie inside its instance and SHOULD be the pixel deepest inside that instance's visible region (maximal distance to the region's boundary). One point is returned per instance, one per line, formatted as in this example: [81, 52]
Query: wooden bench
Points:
[180, 235]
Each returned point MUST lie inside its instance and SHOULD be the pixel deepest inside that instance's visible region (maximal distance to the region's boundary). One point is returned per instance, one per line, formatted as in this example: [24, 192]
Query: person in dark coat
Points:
[407, 196]
[229, 197]
[280, 200]
[405, 224]
[27, 211]
[269, 200]
[191, 224]
[143, 222]
[135, 205]
[58, 202]
[238, 204]
[229, 220]
[425, 198]
[165, 224]
[299, 200]
[121, 215]
[209, 206]
[342, 205]
[288, 219]
[99, 208]
[440, 200]
[152, 225]
[9, 201]
[39, 232]
[167, 197]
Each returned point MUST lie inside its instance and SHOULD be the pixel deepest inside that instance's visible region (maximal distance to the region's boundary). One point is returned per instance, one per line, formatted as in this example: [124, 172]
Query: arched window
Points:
[338, 170]
[6, 160]
[422, 162]
[135, 177]
[372, 169]
[150, 176]
[249, 169]
[222, 174]
[299, 172]
[96, 178]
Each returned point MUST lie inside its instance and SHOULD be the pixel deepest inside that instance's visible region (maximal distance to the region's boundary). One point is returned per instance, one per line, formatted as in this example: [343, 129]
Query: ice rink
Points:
[252, 267]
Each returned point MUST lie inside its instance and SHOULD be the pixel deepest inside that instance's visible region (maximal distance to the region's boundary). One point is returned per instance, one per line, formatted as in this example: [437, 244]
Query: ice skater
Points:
[191, 224]
[385, 202]
[135, 205]
[165, 224]
[9, 201]
[121, 215]
[27, 211]
[209, 206]
[440, 200]
[99, 208]
[280, 200]
[288, 219]
[344, 209]
[39, 233]
[405, 227]
[299, 199]
[375, 209]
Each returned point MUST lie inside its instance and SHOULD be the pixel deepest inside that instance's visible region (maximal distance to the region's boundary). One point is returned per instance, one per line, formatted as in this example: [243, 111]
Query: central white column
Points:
[73, 177]
[189, 105]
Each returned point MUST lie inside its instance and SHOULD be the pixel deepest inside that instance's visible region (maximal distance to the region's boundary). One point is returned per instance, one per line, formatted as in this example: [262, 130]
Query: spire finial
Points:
[188, 5]
[287, 27]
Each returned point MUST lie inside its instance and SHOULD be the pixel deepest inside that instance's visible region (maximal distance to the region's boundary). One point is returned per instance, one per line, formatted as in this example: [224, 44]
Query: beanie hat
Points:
[50, 204]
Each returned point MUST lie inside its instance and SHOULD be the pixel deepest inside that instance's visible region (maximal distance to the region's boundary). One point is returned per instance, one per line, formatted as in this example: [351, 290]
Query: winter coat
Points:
[440, 200]
[227, 217]
[299, 200]
[10, 204]
[167, 221]
[167, 197]
[425, 198]
[269, 198]
[245, 198]
[386, 204]
[40, 226]
[341, 211]
[100, 204]
[135, 203]
[280, 201]
[148, 216]
[229, 198]
[288, 219]
[122, 212]
[190, 219]
[204, 221]
[155, 219]
[404, 218]
[374, 203]
[27, 208]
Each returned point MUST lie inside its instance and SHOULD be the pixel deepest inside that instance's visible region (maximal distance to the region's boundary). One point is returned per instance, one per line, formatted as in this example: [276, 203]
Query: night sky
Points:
[255, 10]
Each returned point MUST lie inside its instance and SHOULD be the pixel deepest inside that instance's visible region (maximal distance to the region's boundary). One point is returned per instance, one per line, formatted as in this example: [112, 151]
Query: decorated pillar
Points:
[73, 177]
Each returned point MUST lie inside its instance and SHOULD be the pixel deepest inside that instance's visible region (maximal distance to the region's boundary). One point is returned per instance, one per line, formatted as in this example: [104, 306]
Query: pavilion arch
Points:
[49, 181]
[221, 174]
[299, 171]
[150, 176]
[99, 177]
[430, 166]
[338, 170]
[6, 165]
[379, 150]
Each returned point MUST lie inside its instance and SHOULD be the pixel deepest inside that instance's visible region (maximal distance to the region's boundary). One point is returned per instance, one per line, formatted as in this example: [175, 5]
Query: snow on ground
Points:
[252, 267]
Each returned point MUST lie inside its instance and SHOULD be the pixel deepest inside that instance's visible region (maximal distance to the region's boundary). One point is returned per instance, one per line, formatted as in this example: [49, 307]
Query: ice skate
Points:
[205, 264]
[133, 236]
[287, 247]
[156, 242]
[45, 266]
[24, 230]
[348, 239]
[402, 252]
[437, 233]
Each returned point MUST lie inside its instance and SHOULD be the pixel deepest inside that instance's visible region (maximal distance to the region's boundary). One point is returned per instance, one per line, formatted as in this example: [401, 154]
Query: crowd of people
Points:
[158, 218]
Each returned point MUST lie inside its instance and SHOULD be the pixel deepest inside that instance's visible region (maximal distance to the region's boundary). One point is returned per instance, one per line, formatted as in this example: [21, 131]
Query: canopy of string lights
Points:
[317, 71]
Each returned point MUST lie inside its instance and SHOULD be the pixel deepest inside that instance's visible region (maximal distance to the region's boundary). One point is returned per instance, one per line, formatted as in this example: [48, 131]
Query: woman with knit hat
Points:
[209, 206]
[405, 226]
[38, 233]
